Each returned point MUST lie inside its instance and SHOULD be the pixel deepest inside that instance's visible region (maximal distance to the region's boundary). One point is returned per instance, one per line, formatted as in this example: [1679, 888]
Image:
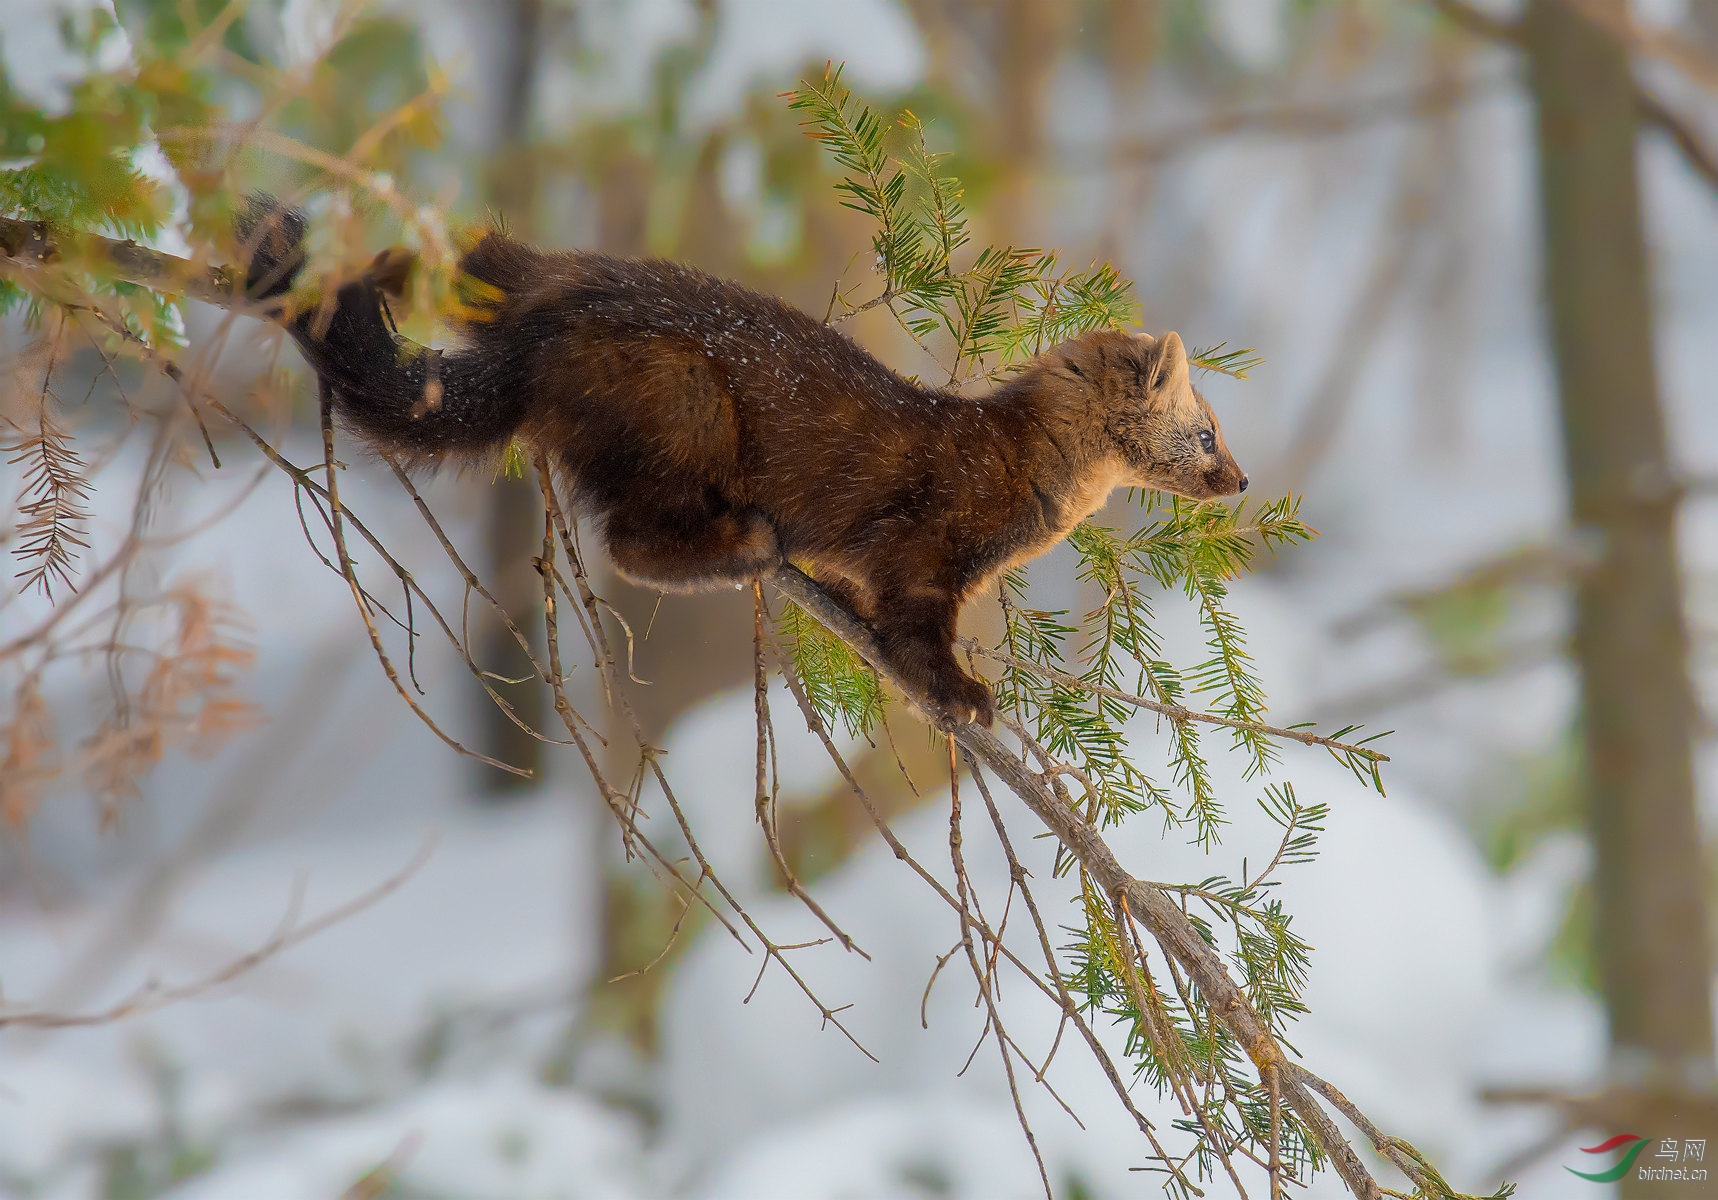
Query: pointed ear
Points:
[1171, 369]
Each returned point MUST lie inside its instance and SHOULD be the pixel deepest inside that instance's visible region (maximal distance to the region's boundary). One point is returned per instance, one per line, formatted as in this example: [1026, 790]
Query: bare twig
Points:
[1395, 1150]
[1276, 1163]
[651, 765]
[474, 584]
[350, 572]
[153, 996]
[766, 794]
[618, 802]
[985, 976]
[1057, 994]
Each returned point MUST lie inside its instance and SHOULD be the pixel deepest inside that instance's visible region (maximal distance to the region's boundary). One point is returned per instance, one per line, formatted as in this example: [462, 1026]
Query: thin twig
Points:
[651, 764]
[983, 977]
[349, 571]
[992, 937]
[152, 996]
[618, 802]
[1399, 1153]
[766, 795]
[1276, 1163]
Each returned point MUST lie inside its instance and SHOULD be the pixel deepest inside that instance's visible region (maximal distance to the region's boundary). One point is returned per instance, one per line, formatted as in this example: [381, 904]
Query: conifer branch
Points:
[1151, 906]
[34, 245]
[1180, 712]
[53, 507]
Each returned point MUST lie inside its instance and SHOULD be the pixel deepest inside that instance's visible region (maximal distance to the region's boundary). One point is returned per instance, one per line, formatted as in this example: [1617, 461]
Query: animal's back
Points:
[670, 377]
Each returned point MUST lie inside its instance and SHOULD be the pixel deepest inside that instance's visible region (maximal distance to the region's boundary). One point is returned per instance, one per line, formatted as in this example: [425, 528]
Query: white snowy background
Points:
[417, 1033]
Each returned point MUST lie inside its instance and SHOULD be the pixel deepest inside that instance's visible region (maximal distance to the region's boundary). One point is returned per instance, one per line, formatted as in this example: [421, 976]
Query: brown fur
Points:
[714, 432]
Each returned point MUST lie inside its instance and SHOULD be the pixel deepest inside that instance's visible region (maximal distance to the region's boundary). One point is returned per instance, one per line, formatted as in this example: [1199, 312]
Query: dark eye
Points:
[1207, 441]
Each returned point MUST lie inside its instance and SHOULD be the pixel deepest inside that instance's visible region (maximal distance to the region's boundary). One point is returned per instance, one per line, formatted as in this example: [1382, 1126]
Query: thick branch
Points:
[36, 244]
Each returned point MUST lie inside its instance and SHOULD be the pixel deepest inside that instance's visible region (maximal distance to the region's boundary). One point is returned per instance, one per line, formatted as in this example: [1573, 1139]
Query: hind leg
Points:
[690, 549]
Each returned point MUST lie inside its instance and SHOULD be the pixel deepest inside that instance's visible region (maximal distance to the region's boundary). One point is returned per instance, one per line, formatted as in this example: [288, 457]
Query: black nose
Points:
[1243, 483]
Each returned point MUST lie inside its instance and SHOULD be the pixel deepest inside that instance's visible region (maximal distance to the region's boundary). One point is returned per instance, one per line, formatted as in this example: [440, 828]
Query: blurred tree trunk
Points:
[1029, 43]
[1637, 702]
[1447, 339]
[1703, 22]
[513, 508]
[1130, 44]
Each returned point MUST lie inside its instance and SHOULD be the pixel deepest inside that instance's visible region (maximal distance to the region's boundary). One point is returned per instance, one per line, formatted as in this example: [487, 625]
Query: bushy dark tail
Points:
[426, 404]
[493, 269]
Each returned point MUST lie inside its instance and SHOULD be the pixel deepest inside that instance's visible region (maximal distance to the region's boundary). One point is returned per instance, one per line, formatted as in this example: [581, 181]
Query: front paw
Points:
[964, 699]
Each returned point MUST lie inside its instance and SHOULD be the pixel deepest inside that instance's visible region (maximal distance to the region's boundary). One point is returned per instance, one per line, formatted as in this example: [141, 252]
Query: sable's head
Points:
[1165, 431]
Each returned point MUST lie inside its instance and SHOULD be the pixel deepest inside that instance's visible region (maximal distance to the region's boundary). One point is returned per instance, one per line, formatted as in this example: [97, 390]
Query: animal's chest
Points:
[1053, 509]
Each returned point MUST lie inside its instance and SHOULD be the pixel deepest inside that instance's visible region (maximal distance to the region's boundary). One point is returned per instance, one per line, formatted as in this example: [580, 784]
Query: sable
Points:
[714, 432]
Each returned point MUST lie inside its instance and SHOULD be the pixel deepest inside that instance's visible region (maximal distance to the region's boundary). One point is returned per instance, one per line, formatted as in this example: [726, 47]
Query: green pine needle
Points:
[1236, 364]
[837, 682]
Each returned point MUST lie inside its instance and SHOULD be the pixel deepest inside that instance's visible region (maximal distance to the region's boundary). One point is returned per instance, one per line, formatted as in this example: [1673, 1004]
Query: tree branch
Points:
[1699, 156]
[1151, 906]
[1653, 113]
[1177, 712]
[33, 246]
